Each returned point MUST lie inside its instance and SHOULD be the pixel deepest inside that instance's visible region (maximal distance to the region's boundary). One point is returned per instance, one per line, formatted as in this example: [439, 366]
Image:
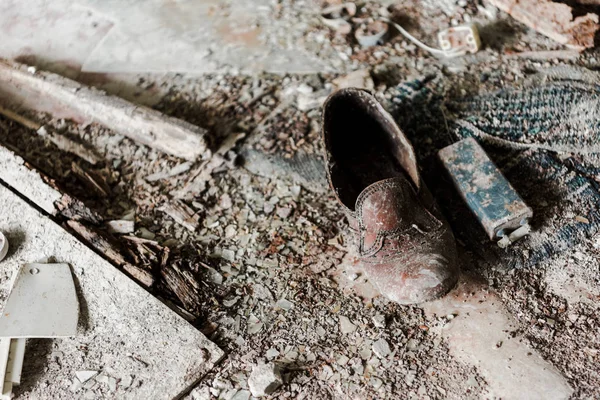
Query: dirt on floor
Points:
[265, 273]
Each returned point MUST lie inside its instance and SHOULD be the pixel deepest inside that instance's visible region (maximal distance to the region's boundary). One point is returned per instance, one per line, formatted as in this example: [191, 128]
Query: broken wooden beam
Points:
[108, 249]
[60, 141]
[26, 86]
[555, 20]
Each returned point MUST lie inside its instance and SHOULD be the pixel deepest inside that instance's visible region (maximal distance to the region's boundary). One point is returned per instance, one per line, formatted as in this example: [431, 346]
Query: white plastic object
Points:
[460, 39]
[515, 235]
[42, 303]
[3, 246]
[431, 50]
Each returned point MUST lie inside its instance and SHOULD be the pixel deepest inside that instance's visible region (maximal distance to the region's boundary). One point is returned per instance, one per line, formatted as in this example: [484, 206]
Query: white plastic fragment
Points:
[460, 39]
[42, 303]
[16, 356]
[84, 376]
[3, 246]
[515, 235]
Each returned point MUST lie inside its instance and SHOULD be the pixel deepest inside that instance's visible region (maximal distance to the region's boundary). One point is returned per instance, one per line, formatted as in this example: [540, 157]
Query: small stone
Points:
[228, 254]
[412, 344]
[376, 383]
[127, 381]
[573, 317]
[75, 386]
[230, 231]
[272, 353]
[120, 226]
[225, 201]
[320, 331]
[326, 373]
[381, 348]
[342, 360]
[241, 395]
[112, 384]
[284, 304]
[146, 234]
[214, 276]
[379, 321]
[283, 212]
[264, 379]
[346, 326]
[365, 353]
[254, 325]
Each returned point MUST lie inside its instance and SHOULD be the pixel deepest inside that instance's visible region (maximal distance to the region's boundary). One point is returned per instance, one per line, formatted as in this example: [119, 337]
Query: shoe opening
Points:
[364, 145]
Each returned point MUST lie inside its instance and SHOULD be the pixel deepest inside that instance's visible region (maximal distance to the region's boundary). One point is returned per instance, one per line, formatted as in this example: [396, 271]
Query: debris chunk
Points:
[121, 226]
[554, 20]
[182, 214]
[381, 348]
[254, 325]
[346, 326]
[264, 379]
[85, 376]
[359, 79]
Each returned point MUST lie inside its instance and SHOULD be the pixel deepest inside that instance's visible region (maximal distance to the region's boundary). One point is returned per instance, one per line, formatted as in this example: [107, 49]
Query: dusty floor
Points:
[264, 275]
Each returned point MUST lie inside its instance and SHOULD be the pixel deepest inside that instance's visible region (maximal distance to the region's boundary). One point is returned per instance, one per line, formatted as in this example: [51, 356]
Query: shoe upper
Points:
[407, 248]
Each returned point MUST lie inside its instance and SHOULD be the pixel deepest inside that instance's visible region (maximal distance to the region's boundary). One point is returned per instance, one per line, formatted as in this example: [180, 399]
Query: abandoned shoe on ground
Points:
[405, 244]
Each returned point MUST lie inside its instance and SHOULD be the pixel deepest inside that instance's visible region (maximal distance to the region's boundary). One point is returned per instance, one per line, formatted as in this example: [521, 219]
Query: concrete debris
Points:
[371, 34]
[284, 304]
[381, 348]
[346, 326]
[360, 79]
[264, 379]
[254, 325]
[112, 298]
[241, 395]
[272, 353]
[556, 20]
[267, 235]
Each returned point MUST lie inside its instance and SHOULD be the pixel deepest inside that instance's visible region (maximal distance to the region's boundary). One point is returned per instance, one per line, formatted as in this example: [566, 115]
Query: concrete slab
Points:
[480, 333]
[142, 349]
[204, 36]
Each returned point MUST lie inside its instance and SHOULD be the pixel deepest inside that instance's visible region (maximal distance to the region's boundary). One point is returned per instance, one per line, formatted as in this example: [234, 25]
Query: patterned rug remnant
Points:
[544, 136]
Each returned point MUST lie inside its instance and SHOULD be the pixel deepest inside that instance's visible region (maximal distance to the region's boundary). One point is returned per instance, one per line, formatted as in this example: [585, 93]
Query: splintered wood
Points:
[554, 20]
[108, 249]
[182, 214]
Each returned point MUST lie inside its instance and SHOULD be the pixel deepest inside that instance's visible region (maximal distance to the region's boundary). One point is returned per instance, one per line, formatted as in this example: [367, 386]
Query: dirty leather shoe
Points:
[405, 245]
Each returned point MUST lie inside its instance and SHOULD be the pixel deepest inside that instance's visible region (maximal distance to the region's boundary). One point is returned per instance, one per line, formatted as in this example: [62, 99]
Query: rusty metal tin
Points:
[496, 204]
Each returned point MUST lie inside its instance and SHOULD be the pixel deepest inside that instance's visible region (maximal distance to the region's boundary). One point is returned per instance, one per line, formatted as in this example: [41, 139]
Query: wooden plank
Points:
[139, 123]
